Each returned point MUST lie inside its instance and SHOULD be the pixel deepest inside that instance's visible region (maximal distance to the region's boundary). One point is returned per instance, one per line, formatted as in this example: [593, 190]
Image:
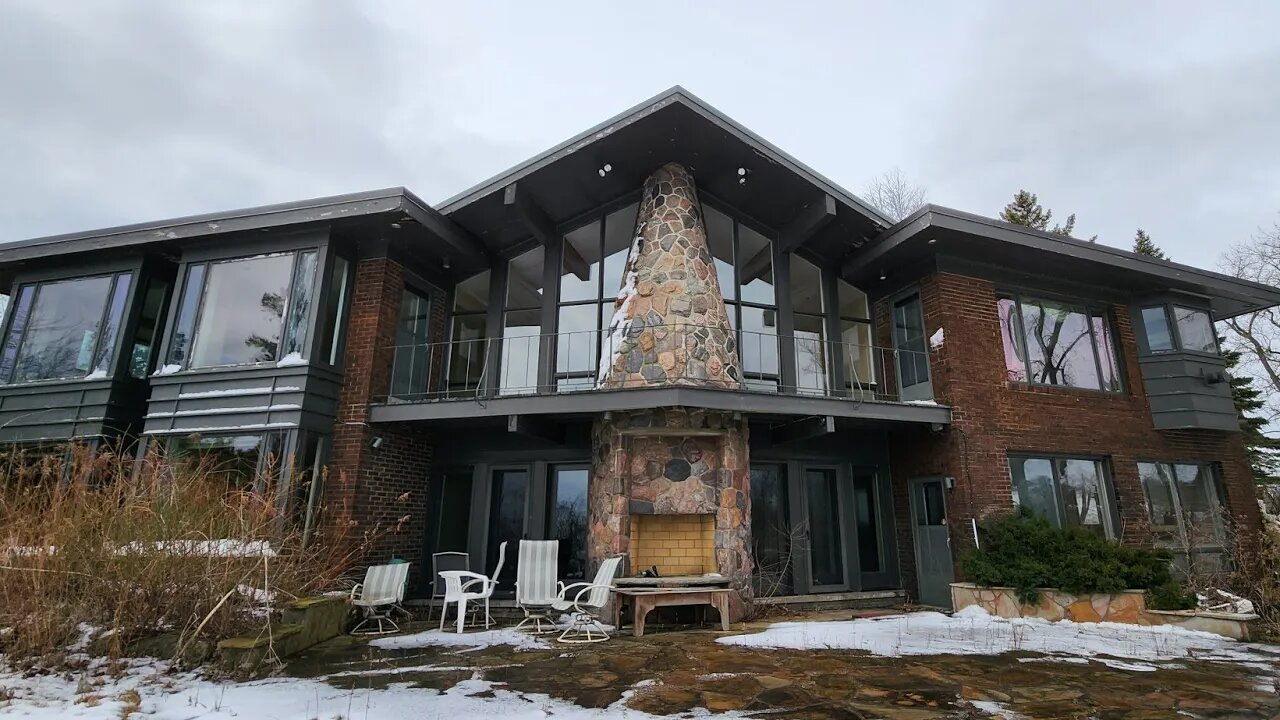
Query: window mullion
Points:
[1093, 341]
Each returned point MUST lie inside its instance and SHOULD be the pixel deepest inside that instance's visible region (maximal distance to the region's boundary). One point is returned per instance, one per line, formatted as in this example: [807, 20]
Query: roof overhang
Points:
[933, 232]
[566, 182]
[389, 210]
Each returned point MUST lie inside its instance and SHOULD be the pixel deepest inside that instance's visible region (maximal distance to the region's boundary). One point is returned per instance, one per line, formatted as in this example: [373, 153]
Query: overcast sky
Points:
[118, 112]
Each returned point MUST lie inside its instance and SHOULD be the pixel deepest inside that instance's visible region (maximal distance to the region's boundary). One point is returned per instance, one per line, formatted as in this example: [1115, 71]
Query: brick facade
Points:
[993, 417]
[382, 490]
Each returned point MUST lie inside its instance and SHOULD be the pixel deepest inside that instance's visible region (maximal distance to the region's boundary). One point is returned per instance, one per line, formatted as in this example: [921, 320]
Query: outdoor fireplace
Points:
[670, 486]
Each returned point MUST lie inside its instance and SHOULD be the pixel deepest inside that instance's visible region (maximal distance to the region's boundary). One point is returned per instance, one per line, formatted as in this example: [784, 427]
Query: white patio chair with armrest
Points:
[440, 562]
[584, 601]
[536, 583]
[459, 588]
[381, 592]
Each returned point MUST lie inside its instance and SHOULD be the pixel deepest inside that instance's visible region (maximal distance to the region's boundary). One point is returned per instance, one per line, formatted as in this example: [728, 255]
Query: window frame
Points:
[1089, 310]
[1214, 486]
[429, 298]
[295, 248]
[1169, 308]
[37, 284]
[1109, 513]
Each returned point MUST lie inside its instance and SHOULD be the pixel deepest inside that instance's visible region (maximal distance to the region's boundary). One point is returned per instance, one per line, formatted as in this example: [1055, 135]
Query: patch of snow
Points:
[291, 360]
[937, 339]
[96, 375]
[717, 676]
[617, 328]
[168, 370]
[229, 393]
[222, 428]
[973, 632]
[996, 709]
[471, 641]
[919, 402]
[225, 547]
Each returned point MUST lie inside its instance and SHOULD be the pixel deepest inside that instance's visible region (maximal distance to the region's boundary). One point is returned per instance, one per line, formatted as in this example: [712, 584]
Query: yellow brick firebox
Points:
[676, 544]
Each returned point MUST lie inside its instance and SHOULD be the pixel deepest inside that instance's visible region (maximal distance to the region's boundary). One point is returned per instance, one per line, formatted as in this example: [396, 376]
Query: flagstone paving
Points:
[673, 672]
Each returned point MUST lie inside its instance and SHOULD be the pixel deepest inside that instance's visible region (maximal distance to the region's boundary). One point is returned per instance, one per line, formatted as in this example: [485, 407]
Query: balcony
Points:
[558, 374]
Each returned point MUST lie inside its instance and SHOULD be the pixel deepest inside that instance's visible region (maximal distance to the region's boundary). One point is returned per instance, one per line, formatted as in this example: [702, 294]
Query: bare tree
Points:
[894, 195]
[1257, 335]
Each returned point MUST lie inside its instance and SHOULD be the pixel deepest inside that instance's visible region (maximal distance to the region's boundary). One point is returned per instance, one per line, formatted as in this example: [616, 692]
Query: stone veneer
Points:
[669, 325]
[1054, 605]
[672, 461]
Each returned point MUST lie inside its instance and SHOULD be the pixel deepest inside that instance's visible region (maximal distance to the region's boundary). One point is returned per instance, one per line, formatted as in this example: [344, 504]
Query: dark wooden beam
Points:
[536, 427]
[468, 247]
[807, 224]
[535, 220]
[809, 427]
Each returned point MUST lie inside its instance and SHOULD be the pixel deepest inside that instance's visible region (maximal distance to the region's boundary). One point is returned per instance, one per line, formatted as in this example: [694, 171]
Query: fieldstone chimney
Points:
[669, 325]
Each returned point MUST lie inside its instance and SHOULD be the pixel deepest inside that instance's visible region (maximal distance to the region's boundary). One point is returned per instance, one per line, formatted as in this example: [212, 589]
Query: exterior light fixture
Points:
[376, 442]
[882, 275]
[395, 226]
[605, 170]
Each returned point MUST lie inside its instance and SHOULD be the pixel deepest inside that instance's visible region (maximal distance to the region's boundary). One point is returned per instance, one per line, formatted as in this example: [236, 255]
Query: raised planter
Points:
[1054, 605]
[305, 622]
[1129, 607]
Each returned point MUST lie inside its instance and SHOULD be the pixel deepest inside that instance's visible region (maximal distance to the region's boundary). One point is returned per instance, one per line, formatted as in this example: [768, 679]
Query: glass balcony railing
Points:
[572, 362]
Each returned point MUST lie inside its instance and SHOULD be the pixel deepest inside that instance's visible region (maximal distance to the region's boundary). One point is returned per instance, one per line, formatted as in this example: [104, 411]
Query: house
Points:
[664, 337]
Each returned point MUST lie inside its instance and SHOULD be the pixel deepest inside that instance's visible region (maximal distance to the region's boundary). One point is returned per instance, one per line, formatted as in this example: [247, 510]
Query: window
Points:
[522, 324]
[468, 344]
[65, 329]
[412, 367]
[809, 313]
[1069, 492]
[335, 309]
[1186, 512]
[593, 258]
[1193, 326]
[909, 348]
[855, 338]
[1047, 342]
[150, 323]
[244, 462]
[743, 260]
[244, 311]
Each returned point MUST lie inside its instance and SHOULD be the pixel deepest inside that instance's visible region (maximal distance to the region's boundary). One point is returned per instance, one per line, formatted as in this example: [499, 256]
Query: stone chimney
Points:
[669, 324]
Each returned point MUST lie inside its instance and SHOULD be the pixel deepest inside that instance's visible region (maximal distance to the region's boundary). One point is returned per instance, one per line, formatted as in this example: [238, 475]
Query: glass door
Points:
[771, 531]
[825, 532]
[567, 519]
[506, 520]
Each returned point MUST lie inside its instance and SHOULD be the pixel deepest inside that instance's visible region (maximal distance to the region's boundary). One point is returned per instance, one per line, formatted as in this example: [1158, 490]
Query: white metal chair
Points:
[381, 592]
[536, 583]
[457, 591]
[588, 599]
[440, 562]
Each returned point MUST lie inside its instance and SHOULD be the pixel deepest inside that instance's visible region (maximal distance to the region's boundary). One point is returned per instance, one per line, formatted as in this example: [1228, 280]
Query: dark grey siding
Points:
[62, 410]
[1188, 391]
[249, 400]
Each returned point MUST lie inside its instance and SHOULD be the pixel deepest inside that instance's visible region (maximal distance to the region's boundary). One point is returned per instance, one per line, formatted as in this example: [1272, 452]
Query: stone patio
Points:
[673, 672]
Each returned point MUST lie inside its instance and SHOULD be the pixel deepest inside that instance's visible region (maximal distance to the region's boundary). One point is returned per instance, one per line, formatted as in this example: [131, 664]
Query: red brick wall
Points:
[381, 492]
[992, 417]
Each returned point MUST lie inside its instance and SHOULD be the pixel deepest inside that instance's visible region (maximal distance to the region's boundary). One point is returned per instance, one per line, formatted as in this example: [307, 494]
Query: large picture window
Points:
[65, 329]
[593, 259]
[1186, 512]
[1047, 342]
[1191, 329]
[743, 260]
[468, 346]
[411, 368]
[1069, 492]
[244, 311]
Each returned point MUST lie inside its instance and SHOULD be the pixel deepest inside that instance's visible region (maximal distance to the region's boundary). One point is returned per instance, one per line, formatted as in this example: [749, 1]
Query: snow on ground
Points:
[473, 640]
[191, 697]
[973, 632]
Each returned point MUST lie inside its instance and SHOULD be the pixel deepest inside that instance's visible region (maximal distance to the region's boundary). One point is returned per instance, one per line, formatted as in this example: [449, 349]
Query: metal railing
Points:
[529, 363]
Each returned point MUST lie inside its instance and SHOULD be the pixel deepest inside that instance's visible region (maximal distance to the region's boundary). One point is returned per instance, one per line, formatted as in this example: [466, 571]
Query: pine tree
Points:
[1025, 210]
[1260, 449]
[1143, 245]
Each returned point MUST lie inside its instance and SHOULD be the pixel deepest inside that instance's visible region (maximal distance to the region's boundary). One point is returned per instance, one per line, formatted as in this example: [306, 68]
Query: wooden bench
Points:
[642, 600]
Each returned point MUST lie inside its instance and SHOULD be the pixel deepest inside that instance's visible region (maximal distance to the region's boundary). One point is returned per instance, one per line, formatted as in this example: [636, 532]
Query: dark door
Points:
[567, 519]
[934, 572]
[507, 496]
[771, 531]
[825, 536]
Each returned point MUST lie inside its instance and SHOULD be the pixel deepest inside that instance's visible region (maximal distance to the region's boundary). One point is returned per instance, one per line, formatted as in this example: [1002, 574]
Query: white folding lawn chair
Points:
[381, 592]
[536, 583]
[584, 601]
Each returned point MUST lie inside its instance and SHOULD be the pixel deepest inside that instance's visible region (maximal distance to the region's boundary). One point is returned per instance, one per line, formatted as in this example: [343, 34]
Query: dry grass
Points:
[134, 549]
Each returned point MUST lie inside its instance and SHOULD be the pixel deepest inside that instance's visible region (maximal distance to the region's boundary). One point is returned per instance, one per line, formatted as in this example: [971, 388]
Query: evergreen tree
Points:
[1025, 210]
[1143, 245]
[1260, 449]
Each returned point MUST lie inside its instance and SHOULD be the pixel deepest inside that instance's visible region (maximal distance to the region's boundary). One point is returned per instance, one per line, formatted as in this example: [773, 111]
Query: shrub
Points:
[166, 549]
[1171, 596]
[1026, 553]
